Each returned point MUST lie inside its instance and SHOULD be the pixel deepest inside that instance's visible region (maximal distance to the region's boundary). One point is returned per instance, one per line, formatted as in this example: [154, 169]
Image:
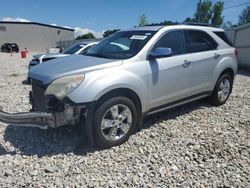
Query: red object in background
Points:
[23, 54]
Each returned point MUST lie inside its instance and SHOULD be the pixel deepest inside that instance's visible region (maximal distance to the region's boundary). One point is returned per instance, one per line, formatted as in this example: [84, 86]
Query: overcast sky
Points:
[100, 15]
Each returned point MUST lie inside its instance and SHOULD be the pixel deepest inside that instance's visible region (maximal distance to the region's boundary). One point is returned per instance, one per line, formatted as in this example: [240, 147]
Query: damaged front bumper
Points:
[31, 119]
[71, 115]
[43, 120]
[47, 111]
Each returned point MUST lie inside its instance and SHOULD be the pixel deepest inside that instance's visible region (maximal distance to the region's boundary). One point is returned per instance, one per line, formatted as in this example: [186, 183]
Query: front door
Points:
[169, 78]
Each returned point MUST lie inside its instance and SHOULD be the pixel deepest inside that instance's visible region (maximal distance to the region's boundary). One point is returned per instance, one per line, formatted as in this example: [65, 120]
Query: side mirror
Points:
[160, 53]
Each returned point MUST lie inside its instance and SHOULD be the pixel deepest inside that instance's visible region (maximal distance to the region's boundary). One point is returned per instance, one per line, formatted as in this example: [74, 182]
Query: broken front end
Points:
[48, 110]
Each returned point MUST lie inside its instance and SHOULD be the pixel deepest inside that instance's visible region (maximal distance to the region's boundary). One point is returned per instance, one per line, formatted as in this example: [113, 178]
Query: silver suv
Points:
[131, 74]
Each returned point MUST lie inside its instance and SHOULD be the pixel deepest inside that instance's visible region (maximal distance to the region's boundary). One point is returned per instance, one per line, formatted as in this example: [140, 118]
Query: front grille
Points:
[38, 95]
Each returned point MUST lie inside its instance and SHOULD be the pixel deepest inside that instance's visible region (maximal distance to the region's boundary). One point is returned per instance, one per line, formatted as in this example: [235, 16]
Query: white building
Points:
[33, 36]
[240, 37]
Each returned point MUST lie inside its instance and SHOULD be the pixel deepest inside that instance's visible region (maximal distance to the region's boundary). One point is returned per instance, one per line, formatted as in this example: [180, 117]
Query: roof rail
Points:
[198, 24]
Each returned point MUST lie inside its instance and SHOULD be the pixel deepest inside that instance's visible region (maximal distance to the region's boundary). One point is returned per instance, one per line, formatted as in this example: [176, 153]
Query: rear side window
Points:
[199, 41]
[173, 40]
[224, 37]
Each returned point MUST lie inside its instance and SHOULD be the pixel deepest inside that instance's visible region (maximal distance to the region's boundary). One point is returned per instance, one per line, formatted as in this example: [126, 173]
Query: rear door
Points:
[169, 78]
[205, 57]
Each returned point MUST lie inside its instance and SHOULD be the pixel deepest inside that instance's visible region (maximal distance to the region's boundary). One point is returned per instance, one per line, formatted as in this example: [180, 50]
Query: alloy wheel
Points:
[224, 90]
[116, 122]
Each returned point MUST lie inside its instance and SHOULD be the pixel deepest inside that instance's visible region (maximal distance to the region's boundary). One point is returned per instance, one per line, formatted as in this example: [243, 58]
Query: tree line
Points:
[206, 12]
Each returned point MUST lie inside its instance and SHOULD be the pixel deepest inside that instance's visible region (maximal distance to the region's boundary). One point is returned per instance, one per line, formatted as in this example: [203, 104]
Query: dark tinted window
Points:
[173, 40]
[224, 37]
[6, 44]
[199, 41]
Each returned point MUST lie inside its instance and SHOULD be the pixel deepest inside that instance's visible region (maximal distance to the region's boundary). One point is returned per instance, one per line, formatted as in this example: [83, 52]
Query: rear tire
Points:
[222, 90]
[114, 122]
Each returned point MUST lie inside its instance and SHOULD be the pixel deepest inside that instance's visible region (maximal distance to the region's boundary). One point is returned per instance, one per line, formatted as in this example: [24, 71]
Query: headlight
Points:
[65, 85]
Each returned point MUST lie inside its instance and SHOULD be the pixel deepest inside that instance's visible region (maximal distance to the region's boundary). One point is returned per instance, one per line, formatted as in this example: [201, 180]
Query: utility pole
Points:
[199, 8]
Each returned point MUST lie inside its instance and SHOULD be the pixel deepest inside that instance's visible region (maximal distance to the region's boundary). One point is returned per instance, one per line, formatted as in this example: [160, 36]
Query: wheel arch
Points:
[229, 71]
[122, 92]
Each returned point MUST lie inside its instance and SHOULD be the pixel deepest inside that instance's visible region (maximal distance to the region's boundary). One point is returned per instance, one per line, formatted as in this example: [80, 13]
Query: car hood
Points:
[49, 55]
[74, 64]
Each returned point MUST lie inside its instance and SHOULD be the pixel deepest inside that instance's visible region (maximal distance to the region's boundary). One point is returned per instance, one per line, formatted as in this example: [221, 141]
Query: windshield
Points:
[121, 45]
[73, 49]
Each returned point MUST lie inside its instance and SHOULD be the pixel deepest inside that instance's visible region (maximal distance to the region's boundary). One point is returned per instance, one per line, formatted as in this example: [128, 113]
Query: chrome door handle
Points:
[216, 56]
[186, 63]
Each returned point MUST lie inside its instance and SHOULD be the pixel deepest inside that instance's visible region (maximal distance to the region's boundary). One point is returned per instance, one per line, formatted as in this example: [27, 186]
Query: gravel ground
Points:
[195, 145]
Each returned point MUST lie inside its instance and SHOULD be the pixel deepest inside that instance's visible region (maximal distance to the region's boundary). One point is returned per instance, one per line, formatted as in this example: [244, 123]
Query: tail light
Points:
[236, 54]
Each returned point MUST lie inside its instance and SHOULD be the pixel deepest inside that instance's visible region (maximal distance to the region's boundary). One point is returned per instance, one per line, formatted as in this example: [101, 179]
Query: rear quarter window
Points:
[224, 37]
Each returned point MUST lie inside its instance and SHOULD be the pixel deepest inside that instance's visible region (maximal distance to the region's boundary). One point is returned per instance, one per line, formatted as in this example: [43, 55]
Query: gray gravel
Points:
[195, 145]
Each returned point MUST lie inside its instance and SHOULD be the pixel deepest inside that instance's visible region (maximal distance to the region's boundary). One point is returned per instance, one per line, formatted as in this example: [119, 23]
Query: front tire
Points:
[222, 90]
[115, 121]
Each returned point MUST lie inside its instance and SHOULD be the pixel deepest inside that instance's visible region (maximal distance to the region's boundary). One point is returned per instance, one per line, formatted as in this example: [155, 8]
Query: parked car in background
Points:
[75, 49]
[129, 75]
[10, 47]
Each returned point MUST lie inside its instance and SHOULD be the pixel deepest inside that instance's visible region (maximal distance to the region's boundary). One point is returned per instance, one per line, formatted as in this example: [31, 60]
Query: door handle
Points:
[216, 56]
[186, 63]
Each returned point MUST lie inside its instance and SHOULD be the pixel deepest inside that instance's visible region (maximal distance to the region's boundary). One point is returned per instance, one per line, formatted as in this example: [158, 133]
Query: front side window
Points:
[6, 44]
[121, 45]
[173, 40]
[199, 41]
